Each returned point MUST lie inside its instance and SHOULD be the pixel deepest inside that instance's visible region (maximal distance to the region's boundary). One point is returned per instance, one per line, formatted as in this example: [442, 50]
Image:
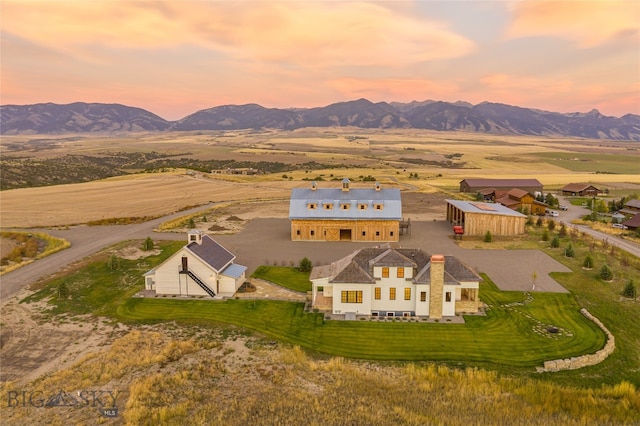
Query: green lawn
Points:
[505, 336]
[290, 278]
[512, 337]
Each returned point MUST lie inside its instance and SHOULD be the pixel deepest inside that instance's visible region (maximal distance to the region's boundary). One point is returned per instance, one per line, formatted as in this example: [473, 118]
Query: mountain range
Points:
[486, 117]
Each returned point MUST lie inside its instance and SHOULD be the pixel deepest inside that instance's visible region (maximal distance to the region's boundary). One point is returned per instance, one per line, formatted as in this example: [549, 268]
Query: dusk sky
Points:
[176, 57]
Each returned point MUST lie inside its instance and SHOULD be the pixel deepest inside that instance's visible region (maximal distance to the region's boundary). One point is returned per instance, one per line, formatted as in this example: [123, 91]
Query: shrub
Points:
[148, 244]
[488, 237]
[305, 265]
[605, 273]
[555, 242]
[192, 223]
[588, 262]
[539, 222]
[630, 290]
[569, 251]
[529, 221]
[545, 235]
[551, 224]
[563, 230]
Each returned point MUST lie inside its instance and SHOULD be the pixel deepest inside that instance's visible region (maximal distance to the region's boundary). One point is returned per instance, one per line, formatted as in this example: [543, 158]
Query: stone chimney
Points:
[437, 286]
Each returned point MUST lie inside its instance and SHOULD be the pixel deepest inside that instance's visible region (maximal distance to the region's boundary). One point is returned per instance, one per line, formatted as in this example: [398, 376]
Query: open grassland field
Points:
[177, 167]
[200, 375]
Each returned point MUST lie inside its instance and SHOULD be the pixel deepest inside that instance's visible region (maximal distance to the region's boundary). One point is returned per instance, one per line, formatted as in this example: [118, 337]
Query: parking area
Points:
[267, 241]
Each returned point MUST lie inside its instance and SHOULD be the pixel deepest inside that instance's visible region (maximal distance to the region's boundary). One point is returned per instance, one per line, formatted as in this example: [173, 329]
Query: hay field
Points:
[392, 156]
[127, 196]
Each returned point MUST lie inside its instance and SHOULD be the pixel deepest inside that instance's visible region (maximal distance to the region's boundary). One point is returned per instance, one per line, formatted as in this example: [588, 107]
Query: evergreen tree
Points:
[569, 252]
[488, 237]
[148, 244]
[555, 242]
[588, 262]
[605, 273]
[630, 290]
[305, 265]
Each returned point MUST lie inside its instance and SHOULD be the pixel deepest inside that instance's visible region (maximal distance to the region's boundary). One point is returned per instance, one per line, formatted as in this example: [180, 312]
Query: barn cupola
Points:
[345, 185]
[194, 236]
[377, 186]
[314, 186]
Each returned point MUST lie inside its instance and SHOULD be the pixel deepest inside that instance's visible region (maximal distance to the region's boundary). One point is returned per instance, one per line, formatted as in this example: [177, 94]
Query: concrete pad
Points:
[267, 241]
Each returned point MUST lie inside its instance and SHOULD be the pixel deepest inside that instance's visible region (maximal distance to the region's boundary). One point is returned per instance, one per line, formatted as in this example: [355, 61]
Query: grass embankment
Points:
[29, 247]
[198, 380]
[286, 277]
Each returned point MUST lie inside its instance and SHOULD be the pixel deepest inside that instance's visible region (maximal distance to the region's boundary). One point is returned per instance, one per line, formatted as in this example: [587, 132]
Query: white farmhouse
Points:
[201, 268]
[395, 282]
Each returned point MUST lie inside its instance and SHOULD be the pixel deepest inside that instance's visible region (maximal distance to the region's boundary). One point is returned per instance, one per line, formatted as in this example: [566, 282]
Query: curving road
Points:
[576, 212]
[85, 240]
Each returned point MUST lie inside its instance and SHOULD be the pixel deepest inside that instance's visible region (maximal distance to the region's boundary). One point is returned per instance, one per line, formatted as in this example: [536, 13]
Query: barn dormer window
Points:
[327, 206]
[378, 206]
[345, 206]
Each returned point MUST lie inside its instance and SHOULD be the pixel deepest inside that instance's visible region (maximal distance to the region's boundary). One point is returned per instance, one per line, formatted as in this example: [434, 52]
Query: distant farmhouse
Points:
[395, 282]
[631, 208]
[477, 218]
[345, 214]
[201, 268]
[580, 189]
[519, 200]
[533, 186]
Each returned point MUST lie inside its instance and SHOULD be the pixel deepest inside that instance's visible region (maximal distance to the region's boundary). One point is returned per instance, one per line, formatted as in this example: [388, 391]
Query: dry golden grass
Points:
[375, 152]
[240, 380]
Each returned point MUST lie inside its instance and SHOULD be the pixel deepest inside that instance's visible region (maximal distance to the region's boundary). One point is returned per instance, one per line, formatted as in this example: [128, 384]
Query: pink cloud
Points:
[588, 23]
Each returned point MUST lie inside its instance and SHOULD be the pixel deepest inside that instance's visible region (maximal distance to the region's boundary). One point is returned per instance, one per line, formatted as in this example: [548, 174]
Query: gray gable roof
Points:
[389, 198]
[358, 267]
[454, 272]
[212, 253]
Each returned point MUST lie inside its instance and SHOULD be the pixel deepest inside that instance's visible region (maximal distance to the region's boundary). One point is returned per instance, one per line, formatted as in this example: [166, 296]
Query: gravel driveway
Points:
[267, 241]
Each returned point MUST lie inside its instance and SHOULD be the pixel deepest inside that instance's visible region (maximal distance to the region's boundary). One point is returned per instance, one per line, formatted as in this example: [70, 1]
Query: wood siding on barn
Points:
[345, 230]
[477, 224]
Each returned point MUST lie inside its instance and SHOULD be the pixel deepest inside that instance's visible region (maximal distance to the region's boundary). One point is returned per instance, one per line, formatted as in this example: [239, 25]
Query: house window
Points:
[391, 233]
[377, 293]
[390, 314]
[312, 232]
[392, 293]
[448, 296]
[320, 288]
[423, 296]
[351, 296]
[400, 273]
[377, 233]
[362, 206]
[374, 313]
[312, 206]
[385, 272]
[297, 232]
[407, 293]
[406, 314]
[364, 233]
